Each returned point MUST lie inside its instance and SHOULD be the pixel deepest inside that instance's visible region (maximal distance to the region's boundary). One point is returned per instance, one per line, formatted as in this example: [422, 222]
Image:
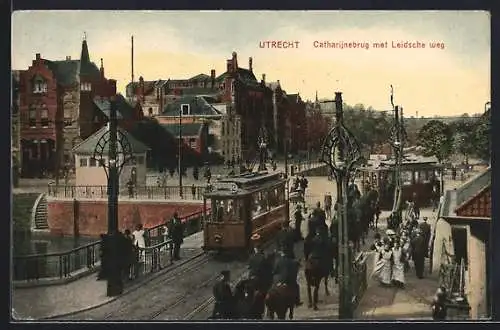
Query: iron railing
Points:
[34, 267]
[137, 192]
[359, 278]
[62, 265]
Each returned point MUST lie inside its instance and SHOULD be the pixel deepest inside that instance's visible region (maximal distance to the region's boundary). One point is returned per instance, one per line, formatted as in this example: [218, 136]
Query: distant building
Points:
[461, 244]
[222, 134]
[90, 173]
[56, 109]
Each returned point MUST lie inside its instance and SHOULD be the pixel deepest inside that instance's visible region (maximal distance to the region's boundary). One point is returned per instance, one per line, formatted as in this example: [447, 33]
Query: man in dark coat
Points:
[176, 232]
[257, 263]
[223, 307]
[418, 255]
[298, 223]
[425, 229]
[285, 272]
[286, 240]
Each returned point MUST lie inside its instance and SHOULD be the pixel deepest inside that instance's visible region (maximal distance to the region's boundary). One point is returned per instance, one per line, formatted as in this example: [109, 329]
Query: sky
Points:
[450, 80]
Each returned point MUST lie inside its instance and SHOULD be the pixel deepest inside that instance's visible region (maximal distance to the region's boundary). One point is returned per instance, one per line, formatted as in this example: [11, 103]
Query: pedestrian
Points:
[298, 223]
[176, 232]
[416, 206]
[224, 300]
[439, 305]
[130, 254]
[454, 173]
[193, 191]
[286, 240]
[398, 269]
[130, 187]
[328, 206]
[425, 229]
[139, 240]
[386, 261]
[418, 254]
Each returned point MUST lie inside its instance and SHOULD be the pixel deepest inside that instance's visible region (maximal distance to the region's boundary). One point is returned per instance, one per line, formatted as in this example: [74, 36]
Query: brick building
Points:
[15, 122]
[57, 109]
[154, 96]
[223, 129]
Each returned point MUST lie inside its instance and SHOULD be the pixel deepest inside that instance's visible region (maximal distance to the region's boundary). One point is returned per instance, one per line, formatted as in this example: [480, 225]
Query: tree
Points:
[464, 137]
[482, 137]
[436, 139]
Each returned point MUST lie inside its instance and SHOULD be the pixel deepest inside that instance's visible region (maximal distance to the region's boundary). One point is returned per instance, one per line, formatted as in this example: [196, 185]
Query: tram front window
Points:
[225, 210]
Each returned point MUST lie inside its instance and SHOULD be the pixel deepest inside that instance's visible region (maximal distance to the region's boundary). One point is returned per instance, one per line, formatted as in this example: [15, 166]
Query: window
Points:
[85, 87]
[83, 162]
[185, 109]
[44, 114]
[140, 160]
[32, 116]
[192, 143]
[67, 122]
[39, 85]
[407, 177]
[92, 162]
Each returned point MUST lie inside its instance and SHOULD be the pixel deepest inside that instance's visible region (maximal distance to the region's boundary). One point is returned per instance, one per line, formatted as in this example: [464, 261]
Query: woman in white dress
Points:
[398, 268]
[139, 240]
[386, 260]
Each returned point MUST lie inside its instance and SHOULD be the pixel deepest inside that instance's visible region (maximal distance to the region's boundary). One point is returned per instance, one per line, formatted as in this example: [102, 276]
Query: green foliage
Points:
[482, 135]
[471, 136]
[437, 140]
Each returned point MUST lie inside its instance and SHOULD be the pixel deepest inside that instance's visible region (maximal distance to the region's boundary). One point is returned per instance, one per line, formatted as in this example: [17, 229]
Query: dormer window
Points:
[85, 87]
[39, 85]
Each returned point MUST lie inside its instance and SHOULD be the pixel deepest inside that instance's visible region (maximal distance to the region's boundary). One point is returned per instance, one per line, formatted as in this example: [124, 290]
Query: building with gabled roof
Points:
[90, 173]
[56, 109]
[461, 244]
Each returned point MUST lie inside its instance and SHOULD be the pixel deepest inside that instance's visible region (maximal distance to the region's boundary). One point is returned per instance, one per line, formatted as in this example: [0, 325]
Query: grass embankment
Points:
[22, 204]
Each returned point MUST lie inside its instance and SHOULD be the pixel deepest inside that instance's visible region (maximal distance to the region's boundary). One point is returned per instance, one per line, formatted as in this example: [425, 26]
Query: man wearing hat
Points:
[257, 262]
[298, 223]
[286, 271]
[223, 297]
[425, 229]
[418, 248]
[286, 240]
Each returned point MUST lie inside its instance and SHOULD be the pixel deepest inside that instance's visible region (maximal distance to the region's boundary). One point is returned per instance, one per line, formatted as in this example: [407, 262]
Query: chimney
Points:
[102, 69]
[141, 85]
[250, 61]
[212, 77]
[338, 107]
[278, 83]
[229, 66]
[68, 58]
[37, 56]
[235, 61]
[263, 77]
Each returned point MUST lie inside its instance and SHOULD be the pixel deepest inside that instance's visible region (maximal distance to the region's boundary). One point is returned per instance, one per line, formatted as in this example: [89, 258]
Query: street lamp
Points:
[115, 145]
[341, 152]
[486, 106]
[184, 107]
[262, 150]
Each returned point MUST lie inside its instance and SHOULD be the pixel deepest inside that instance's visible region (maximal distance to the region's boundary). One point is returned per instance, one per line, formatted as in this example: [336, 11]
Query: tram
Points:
[419, 175]
[243, 205]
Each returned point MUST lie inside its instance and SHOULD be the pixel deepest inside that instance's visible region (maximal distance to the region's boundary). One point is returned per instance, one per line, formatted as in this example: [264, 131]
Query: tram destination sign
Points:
[231, 186]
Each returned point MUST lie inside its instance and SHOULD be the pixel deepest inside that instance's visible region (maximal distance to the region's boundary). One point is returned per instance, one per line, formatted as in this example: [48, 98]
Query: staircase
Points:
[39, 214]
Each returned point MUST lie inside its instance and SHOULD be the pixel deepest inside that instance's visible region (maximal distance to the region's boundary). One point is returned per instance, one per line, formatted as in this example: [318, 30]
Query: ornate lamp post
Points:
[341, 152]
[397, 139]
[115, 146]
[262, 150]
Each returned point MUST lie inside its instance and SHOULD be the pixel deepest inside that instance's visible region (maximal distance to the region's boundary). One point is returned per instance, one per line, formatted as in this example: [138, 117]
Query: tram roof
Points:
[409, 161]
[244, 184]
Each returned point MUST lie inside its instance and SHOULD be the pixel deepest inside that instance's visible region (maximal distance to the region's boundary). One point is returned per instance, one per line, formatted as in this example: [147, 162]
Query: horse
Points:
[279, 300]
[315, 271]
[249, 301]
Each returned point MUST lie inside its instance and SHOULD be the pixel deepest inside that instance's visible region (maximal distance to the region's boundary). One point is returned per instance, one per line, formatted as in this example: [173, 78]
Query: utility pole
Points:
[287, 188]
[183, 107]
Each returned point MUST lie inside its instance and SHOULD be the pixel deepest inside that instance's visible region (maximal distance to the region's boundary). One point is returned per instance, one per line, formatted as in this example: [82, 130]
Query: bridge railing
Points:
[34, 267]
[137, 192]
[63, 265]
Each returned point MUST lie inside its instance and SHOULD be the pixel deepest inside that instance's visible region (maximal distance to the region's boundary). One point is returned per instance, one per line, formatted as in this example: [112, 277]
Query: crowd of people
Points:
[132, 247]
[409, 242]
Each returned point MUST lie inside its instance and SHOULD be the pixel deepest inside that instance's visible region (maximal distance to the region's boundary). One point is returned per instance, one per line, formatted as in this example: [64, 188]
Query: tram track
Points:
[130, 309]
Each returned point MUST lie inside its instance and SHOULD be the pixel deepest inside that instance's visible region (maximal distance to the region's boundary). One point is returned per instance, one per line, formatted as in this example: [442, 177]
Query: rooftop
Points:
[87, 146]
[188, 129]
[199, 106]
